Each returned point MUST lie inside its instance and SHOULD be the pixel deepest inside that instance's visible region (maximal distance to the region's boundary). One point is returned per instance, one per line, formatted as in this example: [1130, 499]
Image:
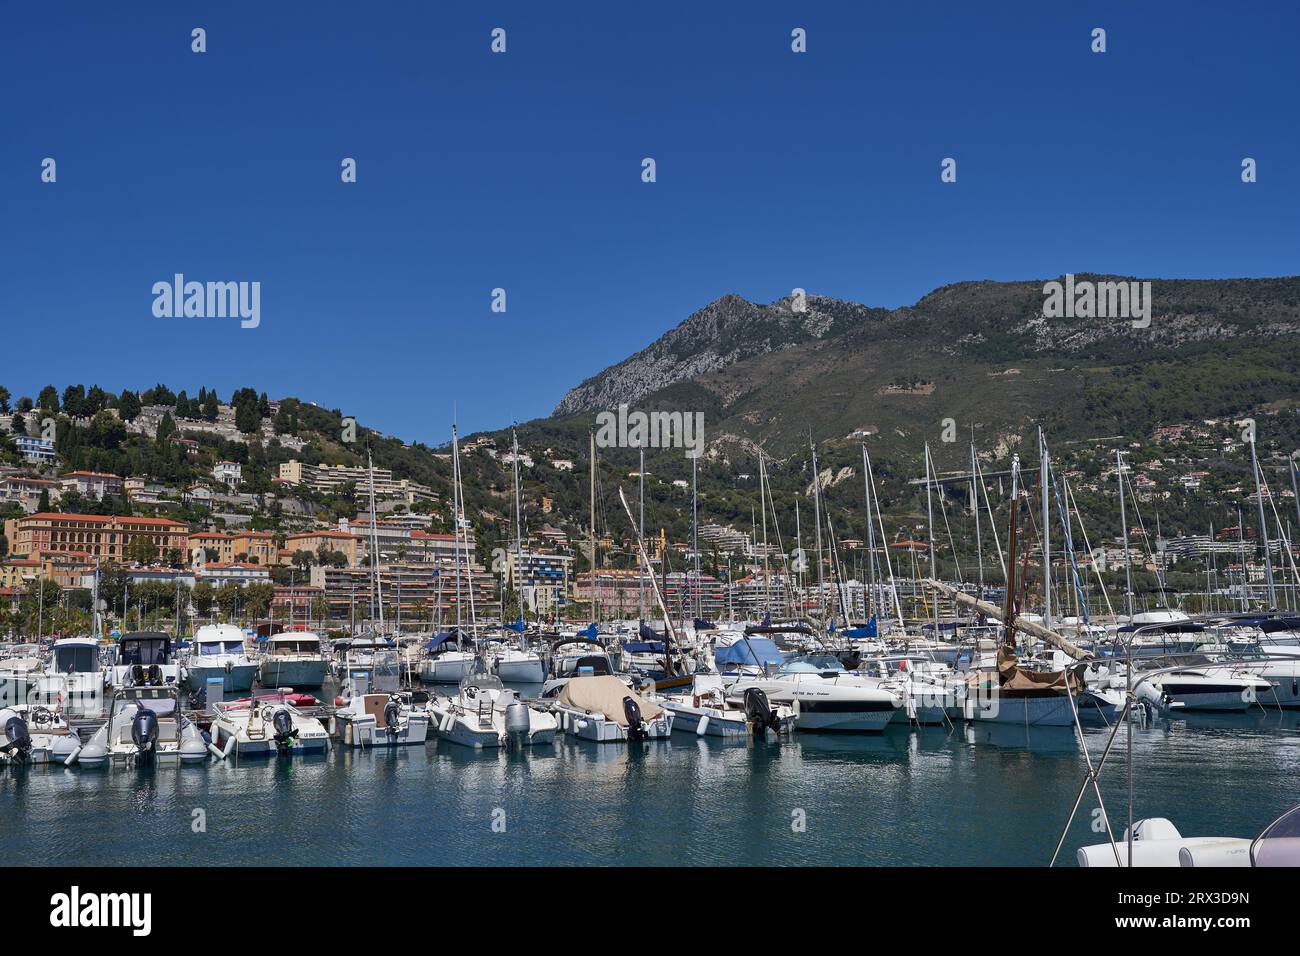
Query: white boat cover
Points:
[605, 695]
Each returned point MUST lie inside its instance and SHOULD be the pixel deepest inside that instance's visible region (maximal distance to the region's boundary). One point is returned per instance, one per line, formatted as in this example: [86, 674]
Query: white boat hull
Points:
[521, 671]
[239, 677]
[293, 673]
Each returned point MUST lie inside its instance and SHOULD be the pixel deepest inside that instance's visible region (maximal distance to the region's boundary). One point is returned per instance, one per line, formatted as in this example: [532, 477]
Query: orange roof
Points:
[100, 519]
[210, 534]
[321, 534]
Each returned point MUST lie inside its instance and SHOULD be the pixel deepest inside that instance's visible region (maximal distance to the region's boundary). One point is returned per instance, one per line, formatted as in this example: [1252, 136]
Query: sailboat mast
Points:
[1263, 526]
[1043, 466]
[697, 607]
[975, 507]
[871, 541]
[817, 519]
[640, 529]
[591, 536]
[762, 507]
[374, 541]
[519, 535]
[1123, 522]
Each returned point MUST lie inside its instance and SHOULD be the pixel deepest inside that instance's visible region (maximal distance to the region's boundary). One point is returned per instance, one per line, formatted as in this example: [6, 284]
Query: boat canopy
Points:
[604, 695]
[644, 647]
[145, 648]
[750, 650]
[436, 642]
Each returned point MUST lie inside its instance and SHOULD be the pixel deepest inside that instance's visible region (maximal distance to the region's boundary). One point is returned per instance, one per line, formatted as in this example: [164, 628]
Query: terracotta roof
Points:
[100, 519]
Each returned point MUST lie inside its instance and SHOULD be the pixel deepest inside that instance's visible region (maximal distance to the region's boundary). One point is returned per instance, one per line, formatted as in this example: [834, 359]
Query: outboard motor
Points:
[144, 734]
[137, 675]
[759, 712]
[635, 725]
[285, 733]
[392, 715]
[154, 675]
[518, 720]
[19, 746]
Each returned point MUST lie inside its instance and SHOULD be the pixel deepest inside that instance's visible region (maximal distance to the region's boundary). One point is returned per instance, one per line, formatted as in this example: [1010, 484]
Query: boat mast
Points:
[929, 515]
[975, 507]
[591, 536]
[374, 542]
[817, 518]
[519, 540]
[872, 603]
[1263, 526]
[1123, 522]
[762, 507]
[1044, 463]
[697, 606]
[640, 582]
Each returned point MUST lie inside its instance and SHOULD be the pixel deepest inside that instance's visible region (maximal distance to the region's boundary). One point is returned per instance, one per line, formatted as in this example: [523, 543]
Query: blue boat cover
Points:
[644, 647]
[750, 650]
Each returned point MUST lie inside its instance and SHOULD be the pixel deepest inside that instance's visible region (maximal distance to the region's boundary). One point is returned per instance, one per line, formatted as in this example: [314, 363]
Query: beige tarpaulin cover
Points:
[605, 695]
[1029, 683]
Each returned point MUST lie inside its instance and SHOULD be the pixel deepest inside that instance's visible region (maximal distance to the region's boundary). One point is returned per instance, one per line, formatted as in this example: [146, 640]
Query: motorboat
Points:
[141, 652]
[577, 657]
[145, 727]
[21, 666]
[369, 666]
[484, 713]
[293, 659]
[217, 651]
[1205, 685]
[73, 681]
[518, 665]
[1003, 689]
[381, 720]
[704, 710]
[604, 709]
[264, 725]
[35, 734]
[448, 661]
[931, 691]
[1157, 842]
[825, 696]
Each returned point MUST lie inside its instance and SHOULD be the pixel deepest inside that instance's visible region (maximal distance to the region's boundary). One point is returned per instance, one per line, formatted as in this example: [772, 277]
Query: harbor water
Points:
[976, 795]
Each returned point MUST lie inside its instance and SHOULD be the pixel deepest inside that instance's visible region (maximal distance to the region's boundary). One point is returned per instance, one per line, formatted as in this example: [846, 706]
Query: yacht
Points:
[145, 727]
[484, 713]
[264, 725]
[380, 720]
[824, 696]
[218, 651]
[293, 659]
[604, 709]
[1206, 686]
[150, 652]
[576, 657]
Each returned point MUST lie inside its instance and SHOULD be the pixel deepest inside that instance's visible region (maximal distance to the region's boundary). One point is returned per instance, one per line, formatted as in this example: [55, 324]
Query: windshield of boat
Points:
[295, 647]
[146, 652]
[211, 648]
[79, 660]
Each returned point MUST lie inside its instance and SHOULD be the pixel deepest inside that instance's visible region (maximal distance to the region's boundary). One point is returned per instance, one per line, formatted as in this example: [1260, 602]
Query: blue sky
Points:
[522, 171]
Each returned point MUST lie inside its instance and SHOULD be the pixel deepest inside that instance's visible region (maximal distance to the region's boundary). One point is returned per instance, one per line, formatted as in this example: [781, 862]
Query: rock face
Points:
[997, 320]
[718, 336]
[991, 356]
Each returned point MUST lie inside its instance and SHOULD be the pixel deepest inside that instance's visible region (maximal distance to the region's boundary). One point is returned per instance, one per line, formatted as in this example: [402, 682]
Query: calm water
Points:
[905, 797]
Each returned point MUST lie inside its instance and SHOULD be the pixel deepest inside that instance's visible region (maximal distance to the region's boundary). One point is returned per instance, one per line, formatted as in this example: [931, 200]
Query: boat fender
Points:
[703, 726]
[72, 757]
[231, 741]
[448, 722]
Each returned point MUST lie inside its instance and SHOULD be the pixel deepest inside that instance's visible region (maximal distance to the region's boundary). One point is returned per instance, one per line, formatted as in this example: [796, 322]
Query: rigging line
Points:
[1070, 499]
[1283, 544]
[943, 509]
[1069, 544]
[884, 543]
[993, 525]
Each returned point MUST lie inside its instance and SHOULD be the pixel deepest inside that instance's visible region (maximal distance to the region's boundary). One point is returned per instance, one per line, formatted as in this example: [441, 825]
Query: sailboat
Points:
[518, 663]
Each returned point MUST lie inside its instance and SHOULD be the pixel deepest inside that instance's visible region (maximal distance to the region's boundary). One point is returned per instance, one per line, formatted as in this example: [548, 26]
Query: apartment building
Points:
[97, 536]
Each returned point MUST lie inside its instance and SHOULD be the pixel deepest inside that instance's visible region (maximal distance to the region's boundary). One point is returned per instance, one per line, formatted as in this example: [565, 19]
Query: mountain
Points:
[980, 353]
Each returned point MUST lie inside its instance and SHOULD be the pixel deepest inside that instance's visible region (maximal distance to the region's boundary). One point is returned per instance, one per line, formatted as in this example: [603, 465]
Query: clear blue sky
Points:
[522, 171]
